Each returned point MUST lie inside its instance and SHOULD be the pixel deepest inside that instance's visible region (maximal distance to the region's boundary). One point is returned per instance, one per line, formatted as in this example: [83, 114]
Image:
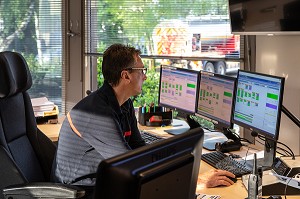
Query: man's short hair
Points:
[116, 58]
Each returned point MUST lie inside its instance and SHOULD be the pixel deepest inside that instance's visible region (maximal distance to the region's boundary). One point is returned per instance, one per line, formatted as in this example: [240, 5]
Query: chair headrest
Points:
[15, 76]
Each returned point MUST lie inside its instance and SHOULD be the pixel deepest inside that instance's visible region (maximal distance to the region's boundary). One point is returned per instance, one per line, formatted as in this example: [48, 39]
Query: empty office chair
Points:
[26, 154]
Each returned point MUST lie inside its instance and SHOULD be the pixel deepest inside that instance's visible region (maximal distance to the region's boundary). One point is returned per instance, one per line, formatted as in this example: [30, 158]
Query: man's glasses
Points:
[143, 69]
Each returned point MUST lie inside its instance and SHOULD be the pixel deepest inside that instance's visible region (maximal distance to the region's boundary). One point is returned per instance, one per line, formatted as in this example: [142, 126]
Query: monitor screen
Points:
[165, 169]
[216, 97]
[258, 102]
[178, 89]
[264, 16]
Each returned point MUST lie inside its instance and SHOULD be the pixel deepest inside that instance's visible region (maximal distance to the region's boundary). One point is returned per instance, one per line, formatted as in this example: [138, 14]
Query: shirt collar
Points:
[108, 91]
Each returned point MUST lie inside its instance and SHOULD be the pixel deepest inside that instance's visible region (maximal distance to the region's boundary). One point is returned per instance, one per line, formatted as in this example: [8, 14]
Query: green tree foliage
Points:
[17, 25]
[127, 22]
[150, 90]
[17, 29]
[22, 29]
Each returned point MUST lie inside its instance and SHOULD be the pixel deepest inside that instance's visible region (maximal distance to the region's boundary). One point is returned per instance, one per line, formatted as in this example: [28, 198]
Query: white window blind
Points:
[34, 29]
[179, 28]
[192, 34]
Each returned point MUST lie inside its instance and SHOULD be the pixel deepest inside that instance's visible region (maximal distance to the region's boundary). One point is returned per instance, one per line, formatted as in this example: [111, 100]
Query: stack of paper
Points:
[42, 107]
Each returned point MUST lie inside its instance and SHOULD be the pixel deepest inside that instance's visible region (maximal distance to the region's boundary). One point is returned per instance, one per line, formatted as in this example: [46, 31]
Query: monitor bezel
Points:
[253, 128]
[122, 176]
[234, 6]
[218, 122]
[179, 109]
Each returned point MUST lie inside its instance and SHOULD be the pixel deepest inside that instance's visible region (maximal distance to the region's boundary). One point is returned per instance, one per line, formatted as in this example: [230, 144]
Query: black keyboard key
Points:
[229, 164]
[150, 138]
[219, 160]
[213, 158]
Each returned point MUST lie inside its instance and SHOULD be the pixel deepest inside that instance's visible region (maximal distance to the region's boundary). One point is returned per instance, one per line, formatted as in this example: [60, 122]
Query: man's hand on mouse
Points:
[214, 178]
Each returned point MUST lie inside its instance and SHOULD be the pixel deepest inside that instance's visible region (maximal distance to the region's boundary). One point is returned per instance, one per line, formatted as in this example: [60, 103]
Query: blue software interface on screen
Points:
[179, 89]
[216, 97]
[257, 101]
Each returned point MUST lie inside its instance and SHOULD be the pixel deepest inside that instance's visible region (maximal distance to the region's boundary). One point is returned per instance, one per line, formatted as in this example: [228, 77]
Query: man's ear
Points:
[124, 75]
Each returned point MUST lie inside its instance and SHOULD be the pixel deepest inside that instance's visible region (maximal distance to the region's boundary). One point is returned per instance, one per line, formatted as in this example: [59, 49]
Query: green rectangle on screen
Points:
[272, 96]
[227, 94]
[191, 85]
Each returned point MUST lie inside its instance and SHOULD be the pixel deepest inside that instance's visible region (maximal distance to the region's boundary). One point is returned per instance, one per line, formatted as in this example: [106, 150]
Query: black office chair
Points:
[26, 154]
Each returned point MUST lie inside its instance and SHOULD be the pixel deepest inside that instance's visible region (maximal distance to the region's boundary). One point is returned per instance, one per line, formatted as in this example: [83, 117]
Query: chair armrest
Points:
[42, 190]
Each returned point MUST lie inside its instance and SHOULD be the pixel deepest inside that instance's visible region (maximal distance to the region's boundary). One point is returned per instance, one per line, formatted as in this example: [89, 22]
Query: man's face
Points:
[138, 76]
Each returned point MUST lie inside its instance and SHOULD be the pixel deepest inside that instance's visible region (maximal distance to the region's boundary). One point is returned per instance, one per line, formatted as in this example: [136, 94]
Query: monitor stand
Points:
[269, 155]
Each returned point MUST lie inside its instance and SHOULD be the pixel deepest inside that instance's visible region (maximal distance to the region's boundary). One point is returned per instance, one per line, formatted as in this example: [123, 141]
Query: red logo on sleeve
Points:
[127, 133]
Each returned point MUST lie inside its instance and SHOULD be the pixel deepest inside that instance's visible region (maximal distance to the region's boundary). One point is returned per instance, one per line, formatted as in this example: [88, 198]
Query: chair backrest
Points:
[30, 150]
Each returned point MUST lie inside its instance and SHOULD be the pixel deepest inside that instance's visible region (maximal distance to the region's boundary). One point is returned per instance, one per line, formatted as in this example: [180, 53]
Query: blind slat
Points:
[34, 28]
[162, 28]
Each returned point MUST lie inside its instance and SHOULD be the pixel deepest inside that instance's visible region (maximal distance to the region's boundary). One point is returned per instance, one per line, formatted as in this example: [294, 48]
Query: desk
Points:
[52, 130]
[236, 191]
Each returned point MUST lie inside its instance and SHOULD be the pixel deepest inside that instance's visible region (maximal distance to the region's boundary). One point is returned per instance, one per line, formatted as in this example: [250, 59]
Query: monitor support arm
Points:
[291, 116]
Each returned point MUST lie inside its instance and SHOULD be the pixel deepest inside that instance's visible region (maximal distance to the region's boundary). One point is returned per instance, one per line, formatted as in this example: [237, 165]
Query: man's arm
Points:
[101, 132]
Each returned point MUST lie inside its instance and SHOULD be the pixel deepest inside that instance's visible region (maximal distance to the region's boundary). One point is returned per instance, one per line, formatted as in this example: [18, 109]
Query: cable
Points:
[285, 189]
[293, 155]
[281, 153]
[262, 138]
[245, 140]
[246, 156]
[288, 153]
[290, 150]
[259, 141]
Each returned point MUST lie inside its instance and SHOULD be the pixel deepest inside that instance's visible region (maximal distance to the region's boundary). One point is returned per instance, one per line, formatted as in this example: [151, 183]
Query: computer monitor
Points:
[165, 169]
[178, 89]
[258, 107]
[215, 101]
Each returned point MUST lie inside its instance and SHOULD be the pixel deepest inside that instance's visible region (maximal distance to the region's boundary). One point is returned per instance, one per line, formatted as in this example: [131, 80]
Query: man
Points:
[103, 124]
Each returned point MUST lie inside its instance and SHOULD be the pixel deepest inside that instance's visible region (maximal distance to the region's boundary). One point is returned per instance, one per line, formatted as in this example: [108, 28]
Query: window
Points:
[34, 29]
[187, 34]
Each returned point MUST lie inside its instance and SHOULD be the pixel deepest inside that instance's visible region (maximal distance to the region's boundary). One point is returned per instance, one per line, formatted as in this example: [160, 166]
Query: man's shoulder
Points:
[93, 101]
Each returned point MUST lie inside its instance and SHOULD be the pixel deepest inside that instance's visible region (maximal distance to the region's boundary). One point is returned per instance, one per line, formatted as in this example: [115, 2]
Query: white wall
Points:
[280, 55]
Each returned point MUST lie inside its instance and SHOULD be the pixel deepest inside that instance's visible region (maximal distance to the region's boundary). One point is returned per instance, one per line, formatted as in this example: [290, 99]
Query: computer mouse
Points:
[232, 179]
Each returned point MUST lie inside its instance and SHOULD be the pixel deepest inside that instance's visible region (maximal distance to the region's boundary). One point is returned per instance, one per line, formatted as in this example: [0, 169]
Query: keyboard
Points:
[222, 161]
[150, 138]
